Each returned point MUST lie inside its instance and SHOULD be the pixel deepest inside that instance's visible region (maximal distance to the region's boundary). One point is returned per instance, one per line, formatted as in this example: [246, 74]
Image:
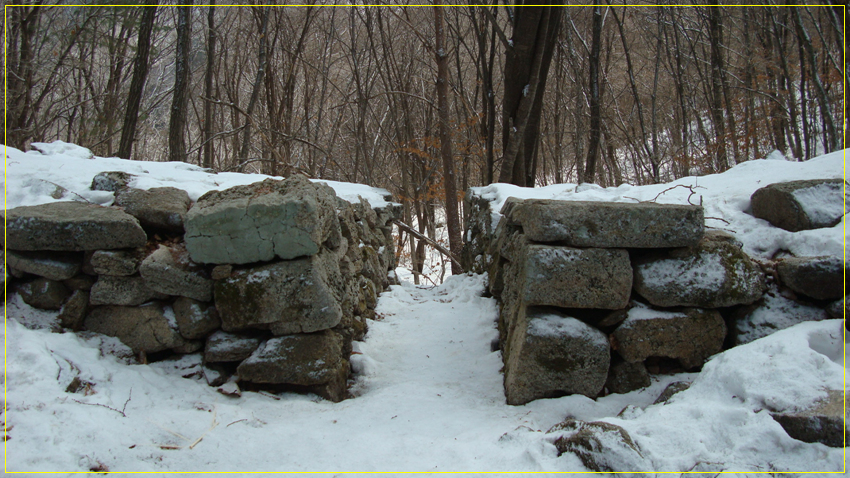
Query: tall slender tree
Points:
[529, 54]
[452, 216]
[180, 98]
[141, 65]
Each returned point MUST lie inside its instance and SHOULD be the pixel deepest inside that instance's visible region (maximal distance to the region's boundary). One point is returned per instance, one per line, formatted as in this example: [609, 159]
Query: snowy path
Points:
[429, 398]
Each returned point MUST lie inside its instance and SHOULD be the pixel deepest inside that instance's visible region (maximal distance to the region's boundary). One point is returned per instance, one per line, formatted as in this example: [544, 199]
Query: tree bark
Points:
[208, 88]
[529, 54]
[180, 100]
[137, 84]
[595, 100]
[452, 217]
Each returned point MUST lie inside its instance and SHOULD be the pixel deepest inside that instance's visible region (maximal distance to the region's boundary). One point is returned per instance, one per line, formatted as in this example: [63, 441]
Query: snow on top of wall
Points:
[32, 177]
[725, 197]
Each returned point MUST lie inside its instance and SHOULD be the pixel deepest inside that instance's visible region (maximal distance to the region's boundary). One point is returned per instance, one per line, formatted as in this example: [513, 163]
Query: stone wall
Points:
[271, 281]
[596, 295]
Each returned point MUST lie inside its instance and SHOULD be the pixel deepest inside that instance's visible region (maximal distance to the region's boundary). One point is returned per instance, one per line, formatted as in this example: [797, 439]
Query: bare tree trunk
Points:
[208, 88]
[244, 151]
[595, 100]
[180, 100]
[137, 84]
[715, 33]
[526, 68]
[830, 136]
[452, 218]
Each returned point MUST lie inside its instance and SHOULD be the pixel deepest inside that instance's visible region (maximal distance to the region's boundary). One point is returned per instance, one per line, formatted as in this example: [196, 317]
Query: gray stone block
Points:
[286, 297]
[715, 273]
[817, 277]
[157, 208]
[143, 329]
[800, 205]
[576, 278]
[120, 290]
[195, 319]
[226, 347]
[261, 221]
[689, 335]
[552, 355]
[71, 226]
[608, 224]
[311, 360]
[170, 271]
[50, 265]
[116, 263]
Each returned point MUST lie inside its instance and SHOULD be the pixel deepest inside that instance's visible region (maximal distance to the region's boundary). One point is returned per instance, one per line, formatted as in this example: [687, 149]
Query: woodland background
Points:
[352, 93]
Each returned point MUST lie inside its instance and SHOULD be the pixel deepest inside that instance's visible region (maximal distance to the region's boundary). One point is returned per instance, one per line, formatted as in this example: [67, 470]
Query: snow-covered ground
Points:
[428, 389]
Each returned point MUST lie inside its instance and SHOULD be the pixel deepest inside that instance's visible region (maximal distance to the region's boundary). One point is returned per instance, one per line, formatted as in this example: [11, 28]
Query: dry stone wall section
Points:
[596, 296]
[271, 281]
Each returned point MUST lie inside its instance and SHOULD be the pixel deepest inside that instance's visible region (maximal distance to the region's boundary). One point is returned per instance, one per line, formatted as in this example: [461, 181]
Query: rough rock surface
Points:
[116, 263]
[800, 205]
[624, 377]
[73, 313]
[261, 221]
[120, 290]
[821, 423]
[169, 271]
[579, 278]
[772, 313]
[313, 360]
[601, 446]
[195, 319]
[286, 297]
[157, 208]
[608, 224]
[111, 181]
[551, 355]
[71, 226]
[817, 277]
[143, 329]
[226, 347]
[689, 335]
[50, 265]
[44, 293]
[713, 274]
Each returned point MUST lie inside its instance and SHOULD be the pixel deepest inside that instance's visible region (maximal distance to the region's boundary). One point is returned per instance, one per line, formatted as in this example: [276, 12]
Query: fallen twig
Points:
[122, 411]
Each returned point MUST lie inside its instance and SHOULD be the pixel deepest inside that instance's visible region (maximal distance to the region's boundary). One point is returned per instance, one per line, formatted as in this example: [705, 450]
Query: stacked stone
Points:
[592, 293]
[272, 281]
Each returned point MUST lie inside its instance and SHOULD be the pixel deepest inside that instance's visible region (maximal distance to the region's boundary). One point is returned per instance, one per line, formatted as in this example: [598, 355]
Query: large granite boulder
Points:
[44, 293]
[607, 224]
[800, 205]
[170, 271]
[715, 273]
[286, 297]
[305, 360]
[71, 226]
[817, 277]
[601, 446]
[143, 329]
[551, 355]
[821, 423]
[157, 208]
[261, 221]
[121, 290]
[575, 278]
[50, 265]
[689, 335]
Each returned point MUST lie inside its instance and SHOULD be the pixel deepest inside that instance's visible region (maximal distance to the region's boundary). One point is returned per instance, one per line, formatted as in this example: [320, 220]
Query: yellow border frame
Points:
[5, 112]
